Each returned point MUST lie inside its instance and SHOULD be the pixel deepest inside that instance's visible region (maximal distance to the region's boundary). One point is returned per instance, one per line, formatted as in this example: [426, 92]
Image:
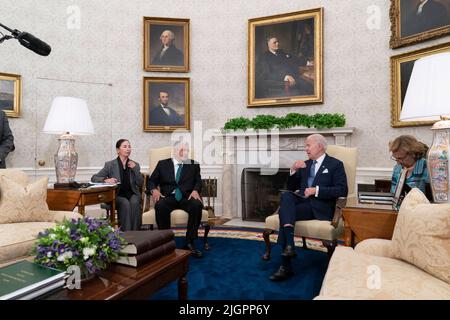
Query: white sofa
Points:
[415, 264]
[352, 274]
[17, 238]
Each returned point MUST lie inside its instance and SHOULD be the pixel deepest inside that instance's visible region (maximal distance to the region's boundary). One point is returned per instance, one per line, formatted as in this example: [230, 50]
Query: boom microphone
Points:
[28, 41]
[34, 44]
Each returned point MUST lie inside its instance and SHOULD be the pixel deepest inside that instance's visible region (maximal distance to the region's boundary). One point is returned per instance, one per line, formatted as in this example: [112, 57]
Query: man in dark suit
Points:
[6, 139]
[278, 73]
[317, 182]
[168, 54]
[163, 115]
[180, 185]
[426, 16]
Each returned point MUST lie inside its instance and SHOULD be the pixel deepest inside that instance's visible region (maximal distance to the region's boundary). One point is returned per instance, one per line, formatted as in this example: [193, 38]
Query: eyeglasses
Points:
[399, 159]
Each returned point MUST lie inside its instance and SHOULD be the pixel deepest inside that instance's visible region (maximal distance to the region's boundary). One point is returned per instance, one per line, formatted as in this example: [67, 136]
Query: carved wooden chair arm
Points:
[341, 202]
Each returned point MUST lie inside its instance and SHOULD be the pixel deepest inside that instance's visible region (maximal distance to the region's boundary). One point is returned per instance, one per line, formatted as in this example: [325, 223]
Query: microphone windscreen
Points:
[34, 44]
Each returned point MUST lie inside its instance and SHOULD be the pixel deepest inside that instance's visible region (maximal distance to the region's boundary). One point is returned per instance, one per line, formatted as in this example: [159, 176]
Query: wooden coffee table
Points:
[123, 282]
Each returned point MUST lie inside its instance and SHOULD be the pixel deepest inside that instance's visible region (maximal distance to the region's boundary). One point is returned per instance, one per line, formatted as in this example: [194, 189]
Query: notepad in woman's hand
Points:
[297, 194]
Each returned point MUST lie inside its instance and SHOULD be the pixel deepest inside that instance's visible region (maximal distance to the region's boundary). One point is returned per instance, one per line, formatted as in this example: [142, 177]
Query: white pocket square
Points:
[325, 171]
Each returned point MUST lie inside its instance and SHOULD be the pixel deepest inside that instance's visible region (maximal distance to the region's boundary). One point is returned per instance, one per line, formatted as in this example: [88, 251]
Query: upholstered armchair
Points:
[326, 231]
[177, 217]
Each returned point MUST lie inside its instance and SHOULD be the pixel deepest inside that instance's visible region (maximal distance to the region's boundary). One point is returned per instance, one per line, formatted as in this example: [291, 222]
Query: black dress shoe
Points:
[289, 251]
[282, 274]
[196, 253]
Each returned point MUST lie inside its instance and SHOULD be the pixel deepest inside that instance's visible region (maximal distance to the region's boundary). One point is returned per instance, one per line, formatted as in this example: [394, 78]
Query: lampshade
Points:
[428, 94]
[69, 114]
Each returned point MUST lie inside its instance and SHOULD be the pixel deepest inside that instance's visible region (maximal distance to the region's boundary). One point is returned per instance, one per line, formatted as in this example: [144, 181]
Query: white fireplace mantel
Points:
[241, 144]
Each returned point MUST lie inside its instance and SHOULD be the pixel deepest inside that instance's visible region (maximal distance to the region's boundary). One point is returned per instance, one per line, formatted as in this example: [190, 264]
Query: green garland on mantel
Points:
[318, 121]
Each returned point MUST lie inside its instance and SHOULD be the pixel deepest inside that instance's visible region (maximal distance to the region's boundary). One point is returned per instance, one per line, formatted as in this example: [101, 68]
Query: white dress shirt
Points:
[166, 109]
[163, 51]
[319, 162]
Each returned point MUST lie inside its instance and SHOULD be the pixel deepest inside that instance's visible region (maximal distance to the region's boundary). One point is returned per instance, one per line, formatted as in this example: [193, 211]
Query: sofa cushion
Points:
[23, 204]
[18, 239]
[422, 235]
[15, 174]
[376, 247]
[353, 275]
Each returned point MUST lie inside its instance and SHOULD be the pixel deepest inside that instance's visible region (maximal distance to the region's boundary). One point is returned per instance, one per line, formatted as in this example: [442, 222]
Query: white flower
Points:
[52, 236]
[64, 256]
[49, 254]
[87, 252]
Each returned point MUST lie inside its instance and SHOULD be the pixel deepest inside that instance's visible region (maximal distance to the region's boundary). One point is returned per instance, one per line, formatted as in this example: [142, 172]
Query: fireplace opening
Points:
[261, 192]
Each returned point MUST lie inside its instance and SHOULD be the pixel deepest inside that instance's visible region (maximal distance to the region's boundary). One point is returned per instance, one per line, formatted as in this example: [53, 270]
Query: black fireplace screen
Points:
[260, 192]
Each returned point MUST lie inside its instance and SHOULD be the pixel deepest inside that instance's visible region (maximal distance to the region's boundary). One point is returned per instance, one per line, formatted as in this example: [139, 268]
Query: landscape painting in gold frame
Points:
[10, 94]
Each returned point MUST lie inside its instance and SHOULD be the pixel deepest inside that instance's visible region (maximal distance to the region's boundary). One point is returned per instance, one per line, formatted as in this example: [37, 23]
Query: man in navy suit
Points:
[180, 184]
[318, 182]
[163, 115]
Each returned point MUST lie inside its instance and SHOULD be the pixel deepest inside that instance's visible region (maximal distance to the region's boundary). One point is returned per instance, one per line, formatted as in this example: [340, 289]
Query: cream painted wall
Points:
[107, 49]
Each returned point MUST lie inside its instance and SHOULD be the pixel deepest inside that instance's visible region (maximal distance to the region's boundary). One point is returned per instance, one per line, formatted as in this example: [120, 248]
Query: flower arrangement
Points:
[91, 244]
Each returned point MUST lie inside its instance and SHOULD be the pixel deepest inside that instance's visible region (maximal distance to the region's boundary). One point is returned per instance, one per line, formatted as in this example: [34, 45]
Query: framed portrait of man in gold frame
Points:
[414, 21]
[401, 69]
[166, 44]
[166, 104]
[285, 59]
[10, 94]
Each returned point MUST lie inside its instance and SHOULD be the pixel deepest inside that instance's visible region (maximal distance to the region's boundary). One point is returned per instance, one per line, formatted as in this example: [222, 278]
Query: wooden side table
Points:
[68, 199]
[364, 222]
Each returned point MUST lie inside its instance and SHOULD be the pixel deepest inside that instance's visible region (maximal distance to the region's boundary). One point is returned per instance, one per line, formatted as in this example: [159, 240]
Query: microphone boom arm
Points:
[27, 40]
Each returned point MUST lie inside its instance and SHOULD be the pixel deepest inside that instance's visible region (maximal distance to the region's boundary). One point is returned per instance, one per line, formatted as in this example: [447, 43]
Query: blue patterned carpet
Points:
[233, 270]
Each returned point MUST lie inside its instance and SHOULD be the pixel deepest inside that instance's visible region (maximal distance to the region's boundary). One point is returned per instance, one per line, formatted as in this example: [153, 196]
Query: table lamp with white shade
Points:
[68, 117]
[428, 98]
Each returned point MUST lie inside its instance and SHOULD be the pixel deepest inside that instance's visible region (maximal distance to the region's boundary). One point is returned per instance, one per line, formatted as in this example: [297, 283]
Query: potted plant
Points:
[291, 120]
[91, 244]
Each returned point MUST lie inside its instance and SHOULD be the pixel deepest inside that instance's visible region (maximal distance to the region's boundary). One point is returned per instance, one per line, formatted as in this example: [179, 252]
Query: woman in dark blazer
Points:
[127, 173]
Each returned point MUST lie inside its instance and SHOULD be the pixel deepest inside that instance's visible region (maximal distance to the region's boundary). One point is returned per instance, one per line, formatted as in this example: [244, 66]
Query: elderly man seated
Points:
[316, 184]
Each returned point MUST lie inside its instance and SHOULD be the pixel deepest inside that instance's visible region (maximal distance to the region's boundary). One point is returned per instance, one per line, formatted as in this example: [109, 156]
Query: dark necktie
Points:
[312, 173]
[178, 194]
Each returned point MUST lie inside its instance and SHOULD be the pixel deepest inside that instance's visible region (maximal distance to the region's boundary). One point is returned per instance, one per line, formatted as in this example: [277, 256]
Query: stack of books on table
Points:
[25, 280]
[376, 197]
[145, 246]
